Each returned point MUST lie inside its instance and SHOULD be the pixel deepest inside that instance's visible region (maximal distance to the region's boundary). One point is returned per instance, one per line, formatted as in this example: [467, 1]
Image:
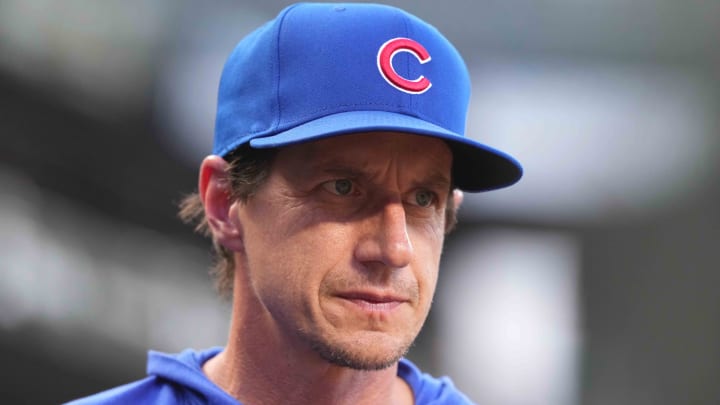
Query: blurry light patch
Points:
[509, 318]
[94, 55]
[596, 142]
[186, 93]
[83, 275]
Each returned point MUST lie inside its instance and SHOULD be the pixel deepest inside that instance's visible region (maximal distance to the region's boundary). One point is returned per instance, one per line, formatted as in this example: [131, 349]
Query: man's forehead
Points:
[429, 157]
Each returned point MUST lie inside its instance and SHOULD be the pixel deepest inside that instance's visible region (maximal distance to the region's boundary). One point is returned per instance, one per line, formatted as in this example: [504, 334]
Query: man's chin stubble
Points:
[340, 356]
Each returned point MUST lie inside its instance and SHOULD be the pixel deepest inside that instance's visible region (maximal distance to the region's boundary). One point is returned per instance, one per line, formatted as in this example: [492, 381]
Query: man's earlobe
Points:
[215, 192]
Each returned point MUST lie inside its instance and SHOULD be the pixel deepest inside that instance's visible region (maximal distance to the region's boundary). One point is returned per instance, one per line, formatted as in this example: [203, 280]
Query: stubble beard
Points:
[363, 354]
[341, 355]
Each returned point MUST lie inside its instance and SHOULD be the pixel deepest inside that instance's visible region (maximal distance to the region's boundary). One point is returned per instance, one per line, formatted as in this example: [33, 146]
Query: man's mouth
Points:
[374, 301]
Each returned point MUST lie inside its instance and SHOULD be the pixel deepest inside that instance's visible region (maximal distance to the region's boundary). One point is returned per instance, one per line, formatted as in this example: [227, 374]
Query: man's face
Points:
[343, 242]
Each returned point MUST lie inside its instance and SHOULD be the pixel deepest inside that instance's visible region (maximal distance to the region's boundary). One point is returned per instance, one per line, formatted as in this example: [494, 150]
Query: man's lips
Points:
[374, 300]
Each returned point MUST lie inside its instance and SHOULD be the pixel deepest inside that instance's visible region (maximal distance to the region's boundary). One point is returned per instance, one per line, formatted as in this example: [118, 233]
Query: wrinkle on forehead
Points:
[416, 155]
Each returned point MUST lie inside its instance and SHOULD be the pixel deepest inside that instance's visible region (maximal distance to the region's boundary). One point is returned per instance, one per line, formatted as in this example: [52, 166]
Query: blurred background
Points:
[593, 281]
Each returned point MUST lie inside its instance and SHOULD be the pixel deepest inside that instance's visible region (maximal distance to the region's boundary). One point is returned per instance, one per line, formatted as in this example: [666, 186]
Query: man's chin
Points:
[362, 354]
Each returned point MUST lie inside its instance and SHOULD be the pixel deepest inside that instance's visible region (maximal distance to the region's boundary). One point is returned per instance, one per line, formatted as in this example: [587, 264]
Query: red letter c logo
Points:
[384, 61]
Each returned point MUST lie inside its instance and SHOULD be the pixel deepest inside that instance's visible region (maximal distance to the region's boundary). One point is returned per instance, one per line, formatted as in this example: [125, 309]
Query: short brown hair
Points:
[247, 170]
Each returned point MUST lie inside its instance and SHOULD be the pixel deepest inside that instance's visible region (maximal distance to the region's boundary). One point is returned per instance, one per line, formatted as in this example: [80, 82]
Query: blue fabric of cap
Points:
[314, 72]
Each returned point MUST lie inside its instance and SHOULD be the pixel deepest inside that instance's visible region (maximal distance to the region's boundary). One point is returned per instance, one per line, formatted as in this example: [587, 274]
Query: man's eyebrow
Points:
[435, 179]
[342, 170]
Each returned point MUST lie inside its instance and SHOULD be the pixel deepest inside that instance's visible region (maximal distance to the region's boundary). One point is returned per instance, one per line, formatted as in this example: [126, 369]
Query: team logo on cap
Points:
[385, 57]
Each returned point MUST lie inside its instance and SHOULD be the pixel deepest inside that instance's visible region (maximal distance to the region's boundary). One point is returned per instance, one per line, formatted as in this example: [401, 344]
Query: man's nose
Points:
[385, 238]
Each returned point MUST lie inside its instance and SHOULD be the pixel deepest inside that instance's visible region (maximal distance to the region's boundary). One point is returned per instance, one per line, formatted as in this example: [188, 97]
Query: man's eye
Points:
[424, 198]
[339, 186]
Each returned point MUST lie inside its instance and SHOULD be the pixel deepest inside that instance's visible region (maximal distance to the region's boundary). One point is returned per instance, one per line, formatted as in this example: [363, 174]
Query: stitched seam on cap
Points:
[405, 19]
[276, 124]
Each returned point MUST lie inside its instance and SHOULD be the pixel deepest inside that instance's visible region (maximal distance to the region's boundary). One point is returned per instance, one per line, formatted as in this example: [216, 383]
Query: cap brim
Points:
[476, 167]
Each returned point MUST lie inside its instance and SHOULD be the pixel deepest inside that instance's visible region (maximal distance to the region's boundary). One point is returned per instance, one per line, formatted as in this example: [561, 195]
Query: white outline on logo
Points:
[422, 62]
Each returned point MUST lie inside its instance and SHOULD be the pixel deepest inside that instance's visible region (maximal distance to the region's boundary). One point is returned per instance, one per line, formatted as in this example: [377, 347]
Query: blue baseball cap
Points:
[321, 70]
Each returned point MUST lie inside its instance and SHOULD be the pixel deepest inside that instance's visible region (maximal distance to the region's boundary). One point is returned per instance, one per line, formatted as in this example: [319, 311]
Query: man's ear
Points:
[215, 192]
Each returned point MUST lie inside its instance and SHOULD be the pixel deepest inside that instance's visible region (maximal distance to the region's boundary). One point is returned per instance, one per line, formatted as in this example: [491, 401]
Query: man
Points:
[338, 159]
